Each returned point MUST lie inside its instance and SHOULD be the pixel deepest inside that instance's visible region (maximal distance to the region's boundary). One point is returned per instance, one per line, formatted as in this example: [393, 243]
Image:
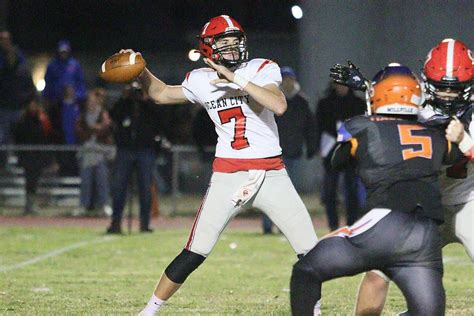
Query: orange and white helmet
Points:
[396, 91]
[219, 27]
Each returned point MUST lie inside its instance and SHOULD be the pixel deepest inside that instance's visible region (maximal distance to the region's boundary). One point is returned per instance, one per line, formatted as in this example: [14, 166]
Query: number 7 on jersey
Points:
[240, 141]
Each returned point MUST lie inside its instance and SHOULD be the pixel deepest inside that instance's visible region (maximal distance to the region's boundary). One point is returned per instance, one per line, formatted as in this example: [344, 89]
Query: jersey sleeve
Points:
[268, 72]
[342, 156]
[189, 87]
[343, 135]
[352, 127]
[467, 146]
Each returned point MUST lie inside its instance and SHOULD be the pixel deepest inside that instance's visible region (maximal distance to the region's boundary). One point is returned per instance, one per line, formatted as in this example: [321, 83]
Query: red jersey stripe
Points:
[266, 62]
[230, 165]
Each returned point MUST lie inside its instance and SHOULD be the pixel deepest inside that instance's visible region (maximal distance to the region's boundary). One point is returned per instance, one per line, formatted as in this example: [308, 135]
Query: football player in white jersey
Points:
[448, 76]
[241, 97]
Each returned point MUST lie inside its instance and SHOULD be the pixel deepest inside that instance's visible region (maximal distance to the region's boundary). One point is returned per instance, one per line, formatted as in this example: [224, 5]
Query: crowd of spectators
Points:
[68, 112]
[16, 88]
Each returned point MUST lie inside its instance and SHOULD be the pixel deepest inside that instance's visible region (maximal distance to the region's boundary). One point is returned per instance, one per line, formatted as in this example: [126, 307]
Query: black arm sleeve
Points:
[453, 156]
[341, 157]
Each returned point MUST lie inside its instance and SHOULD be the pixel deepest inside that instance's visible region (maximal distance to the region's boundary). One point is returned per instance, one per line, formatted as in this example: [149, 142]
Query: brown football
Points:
[122, 67]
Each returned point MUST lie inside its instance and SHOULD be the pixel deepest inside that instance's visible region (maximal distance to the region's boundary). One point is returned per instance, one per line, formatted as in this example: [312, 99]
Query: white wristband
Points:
[240, 81]
[466, 143]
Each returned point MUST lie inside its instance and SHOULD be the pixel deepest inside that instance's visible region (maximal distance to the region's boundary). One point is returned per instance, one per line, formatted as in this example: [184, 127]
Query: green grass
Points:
[116, 277]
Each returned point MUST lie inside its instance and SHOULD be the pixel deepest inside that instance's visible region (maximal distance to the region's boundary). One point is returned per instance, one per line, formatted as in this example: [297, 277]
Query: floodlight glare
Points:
[297, 12]
[194, 55]
[40, 85]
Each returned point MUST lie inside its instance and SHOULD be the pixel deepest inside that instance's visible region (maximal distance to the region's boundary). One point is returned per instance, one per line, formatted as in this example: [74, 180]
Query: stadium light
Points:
[40, 85]
[297, 12]
[194, 55]
[38, 70]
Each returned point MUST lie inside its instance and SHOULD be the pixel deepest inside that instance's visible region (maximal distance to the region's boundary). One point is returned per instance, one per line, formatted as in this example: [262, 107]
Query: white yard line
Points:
[55, 253]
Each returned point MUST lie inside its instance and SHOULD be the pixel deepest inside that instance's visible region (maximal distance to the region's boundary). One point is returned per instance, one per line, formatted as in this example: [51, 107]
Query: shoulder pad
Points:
[258, 64]
[357, 123]
[196, 73]
[351, 127]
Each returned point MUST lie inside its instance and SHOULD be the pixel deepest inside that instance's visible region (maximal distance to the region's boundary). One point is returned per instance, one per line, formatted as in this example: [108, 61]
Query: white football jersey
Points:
[245, 129]
[454, 190]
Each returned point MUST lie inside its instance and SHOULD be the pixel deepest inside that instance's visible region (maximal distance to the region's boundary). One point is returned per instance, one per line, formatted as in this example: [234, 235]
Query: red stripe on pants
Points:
[196, 220]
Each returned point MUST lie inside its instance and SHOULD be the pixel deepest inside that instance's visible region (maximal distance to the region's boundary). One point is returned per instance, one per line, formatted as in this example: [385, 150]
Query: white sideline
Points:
[55, 253]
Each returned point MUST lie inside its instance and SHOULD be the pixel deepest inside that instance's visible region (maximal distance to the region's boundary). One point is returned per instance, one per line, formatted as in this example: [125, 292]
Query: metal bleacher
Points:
[59, 191]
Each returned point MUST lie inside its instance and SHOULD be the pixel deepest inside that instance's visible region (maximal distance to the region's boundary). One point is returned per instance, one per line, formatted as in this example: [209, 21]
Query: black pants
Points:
[329, 196]
[32, 175]
[406, 248]
[126, 161]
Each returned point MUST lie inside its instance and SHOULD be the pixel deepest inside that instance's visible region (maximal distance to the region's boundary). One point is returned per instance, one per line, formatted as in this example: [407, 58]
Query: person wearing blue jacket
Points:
[63, 94]
[64, 70]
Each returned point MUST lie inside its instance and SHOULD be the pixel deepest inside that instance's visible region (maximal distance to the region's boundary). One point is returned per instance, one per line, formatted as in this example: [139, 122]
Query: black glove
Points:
[349, 76]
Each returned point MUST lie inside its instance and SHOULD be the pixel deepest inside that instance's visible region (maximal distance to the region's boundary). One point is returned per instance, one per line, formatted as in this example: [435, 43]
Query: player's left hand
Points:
[349, 76]
[455, 131]
[226, 76]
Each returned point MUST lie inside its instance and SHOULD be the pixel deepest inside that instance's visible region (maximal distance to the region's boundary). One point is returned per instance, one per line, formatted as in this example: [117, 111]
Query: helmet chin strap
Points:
[228, 63]
[450, 108]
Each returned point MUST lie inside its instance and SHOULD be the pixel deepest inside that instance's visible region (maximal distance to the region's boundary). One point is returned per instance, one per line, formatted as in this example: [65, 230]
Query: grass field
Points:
[79, 271]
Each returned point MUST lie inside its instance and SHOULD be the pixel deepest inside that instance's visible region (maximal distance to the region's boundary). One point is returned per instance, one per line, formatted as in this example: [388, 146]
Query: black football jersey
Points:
[398, 161]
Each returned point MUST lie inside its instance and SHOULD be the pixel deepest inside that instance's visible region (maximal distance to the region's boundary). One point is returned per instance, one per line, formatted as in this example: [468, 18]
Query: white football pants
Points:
[459, 226]
[276, 197]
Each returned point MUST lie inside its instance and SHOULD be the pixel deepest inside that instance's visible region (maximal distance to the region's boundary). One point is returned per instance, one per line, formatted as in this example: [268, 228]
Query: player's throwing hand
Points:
[225, 75]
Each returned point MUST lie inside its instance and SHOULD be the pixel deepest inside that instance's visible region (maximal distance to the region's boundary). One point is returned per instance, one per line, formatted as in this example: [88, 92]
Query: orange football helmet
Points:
[396, 91]
[219, 27]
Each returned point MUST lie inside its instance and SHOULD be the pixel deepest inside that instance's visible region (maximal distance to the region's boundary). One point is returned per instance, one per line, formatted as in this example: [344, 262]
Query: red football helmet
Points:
[448, 75]
[219, 27]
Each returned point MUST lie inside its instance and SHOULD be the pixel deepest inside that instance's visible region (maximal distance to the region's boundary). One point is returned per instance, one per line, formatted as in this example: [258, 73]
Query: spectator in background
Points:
[64, 70]
[65, 131]
[16, 87]
[70, 111]
[93, 129]
[33, 128]
[64, 93]
[137, 127]
[340, 104]
[296, 129]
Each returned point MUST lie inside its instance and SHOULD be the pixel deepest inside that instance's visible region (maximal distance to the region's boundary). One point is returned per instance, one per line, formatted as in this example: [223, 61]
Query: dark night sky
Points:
[154, 25]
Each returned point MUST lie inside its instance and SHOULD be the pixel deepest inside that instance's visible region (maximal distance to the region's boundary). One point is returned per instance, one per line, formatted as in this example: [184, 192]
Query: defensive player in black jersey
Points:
[398, 160]
[448, 76]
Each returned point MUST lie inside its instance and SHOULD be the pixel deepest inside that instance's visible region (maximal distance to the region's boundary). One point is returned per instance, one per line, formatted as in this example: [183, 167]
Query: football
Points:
[122, 67]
